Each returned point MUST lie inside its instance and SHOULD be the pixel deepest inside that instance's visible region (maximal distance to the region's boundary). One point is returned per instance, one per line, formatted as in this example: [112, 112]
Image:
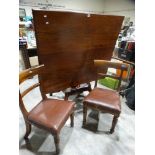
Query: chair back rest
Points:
[23, 76]
[105, 64]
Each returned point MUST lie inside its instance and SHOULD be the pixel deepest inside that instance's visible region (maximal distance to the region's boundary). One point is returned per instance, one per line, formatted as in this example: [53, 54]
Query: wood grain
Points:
[67, 44]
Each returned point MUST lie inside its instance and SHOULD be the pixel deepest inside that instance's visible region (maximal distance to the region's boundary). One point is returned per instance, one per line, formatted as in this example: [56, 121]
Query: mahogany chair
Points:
[105, 100]
[49, 114]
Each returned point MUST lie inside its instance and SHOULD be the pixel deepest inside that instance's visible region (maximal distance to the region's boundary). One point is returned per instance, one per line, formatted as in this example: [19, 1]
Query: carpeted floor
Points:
[94, 140]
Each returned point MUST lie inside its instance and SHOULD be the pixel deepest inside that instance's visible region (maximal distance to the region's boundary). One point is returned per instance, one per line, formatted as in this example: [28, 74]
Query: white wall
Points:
[111, 7]
[120, 7]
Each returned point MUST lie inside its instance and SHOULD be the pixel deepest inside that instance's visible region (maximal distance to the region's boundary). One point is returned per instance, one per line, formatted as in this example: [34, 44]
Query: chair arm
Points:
[109, 64]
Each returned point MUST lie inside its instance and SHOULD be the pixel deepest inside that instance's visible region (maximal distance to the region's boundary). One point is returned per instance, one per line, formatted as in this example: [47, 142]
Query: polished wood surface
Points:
[28, 73]
[68, 42]
[125, 61]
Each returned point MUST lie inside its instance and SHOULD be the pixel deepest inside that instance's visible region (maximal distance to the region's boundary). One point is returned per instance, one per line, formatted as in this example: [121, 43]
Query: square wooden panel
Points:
[68, 42]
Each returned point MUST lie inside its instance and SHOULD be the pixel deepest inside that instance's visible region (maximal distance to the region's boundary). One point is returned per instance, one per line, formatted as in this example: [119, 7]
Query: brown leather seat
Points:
[105, 100]
[51, 113]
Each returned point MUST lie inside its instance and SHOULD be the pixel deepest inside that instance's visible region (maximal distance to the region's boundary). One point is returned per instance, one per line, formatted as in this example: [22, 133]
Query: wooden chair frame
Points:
[23, 76]
[103, 64]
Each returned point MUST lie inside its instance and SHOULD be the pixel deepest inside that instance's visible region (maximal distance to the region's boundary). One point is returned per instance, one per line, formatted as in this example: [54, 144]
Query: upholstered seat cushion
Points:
[104, 99]
[51, 114]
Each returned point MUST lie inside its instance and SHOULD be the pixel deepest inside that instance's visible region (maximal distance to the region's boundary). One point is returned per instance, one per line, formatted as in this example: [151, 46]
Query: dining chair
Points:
[48, 114]
[105, 100]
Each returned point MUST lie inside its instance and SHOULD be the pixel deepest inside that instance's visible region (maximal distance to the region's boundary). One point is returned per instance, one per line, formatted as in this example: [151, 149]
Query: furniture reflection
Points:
[49, 114]
[105, 100]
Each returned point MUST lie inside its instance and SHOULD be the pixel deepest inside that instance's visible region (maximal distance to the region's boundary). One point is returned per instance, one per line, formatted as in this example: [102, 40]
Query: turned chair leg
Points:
[28, 130]
[66, 96]
[57, 140]
[114, 122]
[89, 87]
[72, 119]
[84, 115]
[97, 118]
